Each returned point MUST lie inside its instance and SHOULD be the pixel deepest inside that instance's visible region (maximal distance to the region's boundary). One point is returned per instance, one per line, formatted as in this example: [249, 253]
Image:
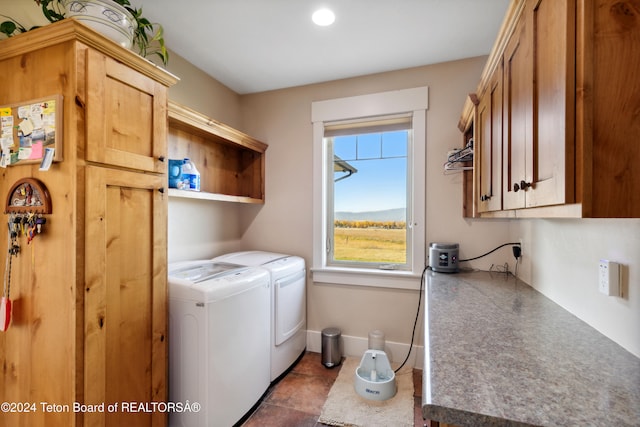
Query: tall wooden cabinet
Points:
[90, 293]
[569, 112]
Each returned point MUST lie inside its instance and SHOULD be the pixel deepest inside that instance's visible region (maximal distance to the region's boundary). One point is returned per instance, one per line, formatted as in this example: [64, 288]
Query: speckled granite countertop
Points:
[499, 353]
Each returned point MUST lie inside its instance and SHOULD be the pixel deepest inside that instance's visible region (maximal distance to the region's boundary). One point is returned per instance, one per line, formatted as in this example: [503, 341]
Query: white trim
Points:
[352, 346]
[377, 104]
[414, 101]
[367, 277]
[319, 196]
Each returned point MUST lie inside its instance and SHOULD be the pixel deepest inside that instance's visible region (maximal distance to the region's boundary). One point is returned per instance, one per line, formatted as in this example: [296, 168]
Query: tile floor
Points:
[297, 399]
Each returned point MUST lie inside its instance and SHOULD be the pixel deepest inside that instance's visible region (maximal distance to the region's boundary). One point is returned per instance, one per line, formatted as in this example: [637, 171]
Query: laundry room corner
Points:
[283, 118]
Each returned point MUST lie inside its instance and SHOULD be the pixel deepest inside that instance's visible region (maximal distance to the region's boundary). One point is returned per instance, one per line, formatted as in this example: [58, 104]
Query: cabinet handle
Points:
[485, 197]
[161, 158]
[524, 185]
[161, 190]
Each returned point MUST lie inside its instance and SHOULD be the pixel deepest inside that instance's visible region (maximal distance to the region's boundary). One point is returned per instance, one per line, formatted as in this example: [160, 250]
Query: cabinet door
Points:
[517, 113]
[490, 145]
[126, 116]
[125, 345]
[540, 107]
[550, 161]
[610, 92]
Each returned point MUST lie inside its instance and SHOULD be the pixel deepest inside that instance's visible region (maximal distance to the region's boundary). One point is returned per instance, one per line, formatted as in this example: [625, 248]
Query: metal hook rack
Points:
[28, 196]
[27, 201]
[456, 159]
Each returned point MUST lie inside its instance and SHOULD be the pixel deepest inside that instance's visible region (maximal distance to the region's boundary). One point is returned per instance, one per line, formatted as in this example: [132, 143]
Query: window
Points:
[369, 157]
[367, 195]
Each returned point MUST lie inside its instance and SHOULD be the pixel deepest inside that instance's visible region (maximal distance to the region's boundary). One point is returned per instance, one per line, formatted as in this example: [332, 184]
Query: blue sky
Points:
[379, 183]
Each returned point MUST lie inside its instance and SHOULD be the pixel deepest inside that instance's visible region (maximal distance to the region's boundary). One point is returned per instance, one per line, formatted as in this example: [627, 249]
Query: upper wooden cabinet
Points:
[539, 106]
[518, 130]
[569, 112]
[466, 126]
[117, 97]
[231, 163]
[608, 108]
[488, 159]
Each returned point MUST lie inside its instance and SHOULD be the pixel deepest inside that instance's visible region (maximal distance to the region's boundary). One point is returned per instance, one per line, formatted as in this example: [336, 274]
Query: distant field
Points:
[370, 244]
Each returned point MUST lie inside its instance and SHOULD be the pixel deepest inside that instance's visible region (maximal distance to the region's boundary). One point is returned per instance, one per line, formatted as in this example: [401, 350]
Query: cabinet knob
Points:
[522, 186]
[161, 158]
[161, 190]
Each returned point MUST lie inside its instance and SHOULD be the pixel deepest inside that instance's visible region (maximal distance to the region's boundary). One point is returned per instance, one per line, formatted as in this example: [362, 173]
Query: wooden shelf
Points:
[201, 195]
[231, 163]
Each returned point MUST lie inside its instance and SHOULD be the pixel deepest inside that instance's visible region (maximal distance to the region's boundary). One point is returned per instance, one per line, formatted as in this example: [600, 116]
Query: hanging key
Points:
[23, 225]
[31, 227]
[31, 232]
[40, 221]
[16, 226]
[14, 230]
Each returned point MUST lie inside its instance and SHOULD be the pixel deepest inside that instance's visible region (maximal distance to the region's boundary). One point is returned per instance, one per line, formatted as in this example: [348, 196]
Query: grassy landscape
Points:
[370, 244]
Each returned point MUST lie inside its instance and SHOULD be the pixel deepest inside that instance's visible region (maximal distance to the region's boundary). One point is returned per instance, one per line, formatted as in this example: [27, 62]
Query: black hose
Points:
[413, 334]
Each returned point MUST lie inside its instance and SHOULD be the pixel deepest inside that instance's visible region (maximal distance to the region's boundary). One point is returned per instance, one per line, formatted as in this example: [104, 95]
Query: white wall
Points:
[26, 12]
[560, 259]
[199, 229]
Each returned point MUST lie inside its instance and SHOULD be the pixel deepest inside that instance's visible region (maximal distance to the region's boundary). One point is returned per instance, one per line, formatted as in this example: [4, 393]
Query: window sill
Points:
[395, 279]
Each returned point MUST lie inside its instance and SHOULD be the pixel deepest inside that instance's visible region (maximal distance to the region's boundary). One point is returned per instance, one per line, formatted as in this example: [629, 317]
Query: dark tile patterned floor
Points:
[297, 399]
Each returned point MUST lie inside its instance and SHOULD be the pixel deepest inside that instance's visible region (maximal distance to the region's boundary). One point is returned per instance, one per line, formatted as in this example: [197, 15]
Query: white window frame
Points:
[414, 101]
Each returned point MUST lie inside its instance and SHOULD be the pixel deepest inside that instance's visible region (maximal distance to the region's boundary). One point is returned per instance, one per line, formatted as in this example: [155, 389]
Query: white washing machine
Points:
[219, 347]
[288, 303]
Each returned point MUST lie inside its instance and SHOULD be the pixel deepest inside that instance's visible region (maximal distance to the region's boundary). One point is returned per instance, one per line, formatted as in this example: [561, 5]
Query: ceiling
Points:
[259, 45]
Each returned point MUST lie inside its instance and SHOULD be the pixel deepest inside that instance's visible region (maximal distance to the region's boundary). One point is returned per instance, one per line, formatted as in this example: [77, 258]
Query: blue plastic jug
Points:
[175, 173]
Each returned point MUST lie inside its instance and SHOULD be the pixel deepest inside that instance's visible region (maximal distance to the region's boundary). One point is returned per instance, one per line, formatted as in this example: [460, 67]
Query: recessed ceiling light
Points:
[323, 17]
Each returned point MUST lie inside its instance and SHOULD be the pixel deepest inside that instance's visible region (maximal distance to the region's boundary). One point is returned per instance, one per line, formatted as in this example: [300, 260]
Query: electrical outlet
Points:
[521, 240]
[609, 278]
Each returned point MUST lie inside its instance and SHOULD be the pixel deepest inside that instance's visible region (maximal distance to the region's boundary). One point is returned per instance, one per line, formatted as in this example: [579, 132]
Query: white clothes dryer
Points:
[288, 303]
[219, 316]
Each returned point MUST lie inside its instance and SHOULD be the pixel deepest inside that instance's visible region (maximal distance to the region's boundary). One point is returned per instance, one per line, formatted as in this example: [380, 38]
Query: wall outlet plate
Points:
[609, 278]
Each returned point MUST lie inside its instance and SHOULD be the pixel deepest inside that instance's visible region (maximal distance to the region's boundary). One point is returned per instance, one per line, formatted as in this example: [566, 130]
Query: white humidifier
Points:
[374, 378]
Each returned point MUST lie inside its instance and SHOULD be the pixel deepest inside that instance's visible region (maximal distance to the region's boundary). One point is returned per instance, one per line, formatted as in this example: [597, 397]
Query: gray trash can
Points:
[331, 355]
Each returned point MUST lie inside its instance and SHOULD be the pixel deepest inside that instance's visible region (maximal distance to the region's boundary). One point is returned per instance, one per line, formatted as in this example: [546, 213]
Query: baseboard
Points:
[356, 346]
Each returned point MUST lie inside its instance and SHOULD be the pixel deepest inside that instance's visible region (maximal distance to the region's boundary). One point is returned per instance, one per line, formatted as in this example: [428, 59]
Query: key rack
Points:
[28, 195]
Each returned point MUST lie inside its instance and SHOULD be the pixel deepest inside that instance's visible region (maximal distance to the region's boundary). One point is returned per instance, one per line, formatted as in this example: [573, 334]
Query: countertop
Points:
[499, 353]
